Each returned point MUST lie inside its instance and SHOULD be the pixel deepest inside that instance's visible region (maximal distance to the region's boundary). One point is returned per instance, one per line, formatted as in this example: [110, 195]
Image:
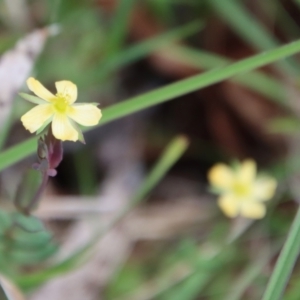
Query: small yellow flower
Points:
[241, 190]
[59, 109]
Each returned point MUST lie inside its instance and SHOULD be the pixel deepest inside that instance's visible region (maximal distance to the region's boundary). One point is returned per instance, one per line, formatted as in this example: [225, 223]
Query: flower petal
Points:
[221, 176]
[67, 90]
[229, 205]
[85, 114]
[264, 188]
[36, 117]
[62, 128]
[253, 210]
[247, 171]
[36, 87]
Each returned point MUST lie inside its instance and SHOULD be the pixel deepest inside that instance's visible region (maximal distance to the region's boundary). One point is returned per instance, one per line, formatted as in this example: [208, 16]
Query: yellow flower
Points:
[241, 190]
[59, 109]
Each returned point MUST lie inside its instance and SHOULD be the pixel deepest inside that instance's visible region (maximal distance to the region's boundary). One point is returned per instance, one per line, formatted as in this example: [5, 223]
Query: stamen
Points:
[60, 104]
[241, 189]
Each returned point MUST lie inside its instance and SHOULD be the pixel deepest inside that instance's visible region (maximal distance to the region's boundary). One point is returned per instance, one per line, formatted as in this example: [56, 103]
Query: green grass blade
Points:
[244, 23]
[250, 274]
[18, 152]
[257, 81]
[248, 27]
[163, 10]
[297, 2]
[173, 152]
[285, 263]
[168, 92]
[276, 11]
[142, 49]
[293, 292]
[117, 35]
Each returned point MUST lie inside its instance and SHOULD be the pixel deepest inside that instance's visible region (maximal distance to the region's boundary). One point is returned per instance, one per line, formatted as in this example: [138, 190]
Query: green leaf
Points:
[77, 128]
[32, 99]
[119, 29]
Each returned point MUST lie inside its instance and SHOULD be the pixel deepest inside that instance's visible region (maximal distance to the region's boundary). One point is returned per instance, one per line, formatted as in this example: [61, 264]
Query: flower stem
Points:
[27, 210]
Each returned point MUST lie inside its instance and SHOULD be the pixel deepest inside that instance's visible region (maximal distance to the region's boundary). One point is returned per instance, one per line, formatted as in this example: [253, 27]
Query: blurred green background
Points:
[88, 239]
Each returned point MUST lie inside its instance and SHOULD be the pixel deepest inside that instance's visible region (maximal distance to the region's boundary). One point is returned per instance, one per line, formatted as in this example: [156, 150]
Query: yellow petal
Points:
[67, 90]
[247, 171]
[62, 128]
[85, 114]
[220, 176]
[264, 188]
[36, 117]
[253, 210]
[36, 87]
[229, 205]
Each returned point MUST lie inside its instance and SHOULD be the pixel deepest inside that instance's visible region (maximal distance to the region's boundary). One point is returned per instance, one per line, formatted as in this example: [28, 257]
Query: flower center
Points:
[241, 189]
[60, 104]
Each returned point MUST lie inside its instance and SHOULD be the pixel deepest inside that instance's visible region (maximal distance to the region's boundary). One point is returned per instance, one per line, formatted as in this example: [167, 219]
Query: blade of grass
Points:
[293, 292]
[192, 286]
[255, 80]
[285, 263]
[119, 29]
[170, 156]
[244, 23]
[297, 2]
[160, 95]
[163, 10]
[280, 16]
[248, 28]
[249, 275]
[142, 49]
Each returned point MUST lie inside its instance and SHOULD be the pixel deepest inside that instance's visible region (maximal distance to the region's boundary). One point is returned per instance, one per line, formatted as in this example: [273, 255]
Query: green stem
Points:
[285, 263]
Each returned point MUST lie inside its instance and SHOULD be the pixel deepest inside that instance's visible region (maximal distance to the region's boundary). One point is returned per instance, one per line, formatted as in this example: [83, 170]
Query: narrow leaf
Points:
[32, 99]
[285, 263]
